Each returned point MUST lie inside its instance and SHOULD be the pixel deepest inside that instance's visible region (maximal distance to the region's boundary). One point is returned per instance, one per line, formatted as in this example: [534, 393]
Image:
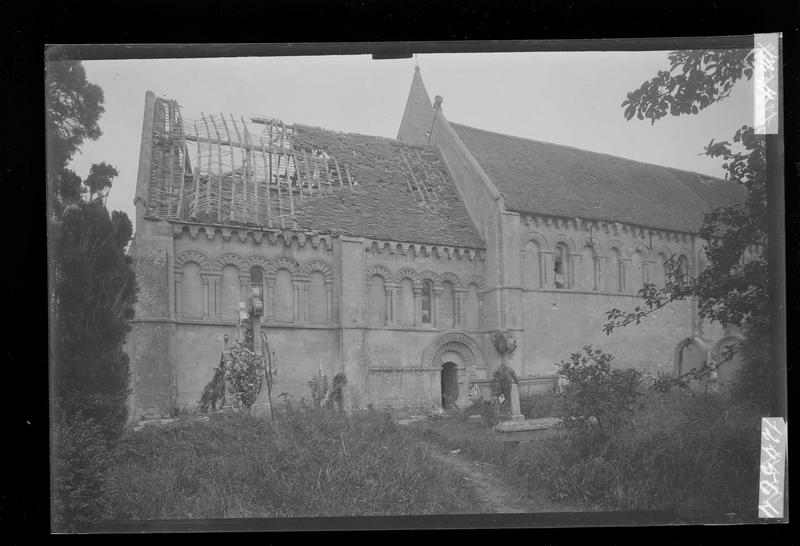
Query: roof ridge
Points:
[350, 133]
[705, 176]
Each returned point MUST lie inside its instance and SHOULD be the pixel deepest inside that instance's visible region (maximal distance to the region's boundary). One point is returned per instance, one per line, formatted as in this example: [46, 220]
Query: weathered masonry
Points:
[394, 259]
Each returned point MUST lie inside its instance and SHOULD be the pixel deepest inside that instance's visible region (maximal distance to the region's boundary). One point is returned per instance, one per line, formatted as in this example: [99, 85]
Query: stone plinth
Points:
[526, 429]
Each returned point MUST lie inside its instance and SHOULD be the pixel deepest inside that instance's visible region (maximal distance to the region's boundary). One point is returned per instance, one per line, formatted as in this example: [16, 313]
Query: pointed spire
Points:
[418, 116]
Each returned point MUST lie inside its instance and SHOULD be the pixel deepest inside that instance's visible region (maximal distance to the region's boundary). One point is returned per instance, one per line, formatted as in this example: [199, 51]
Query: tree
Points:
[93, 289]
[734, 288]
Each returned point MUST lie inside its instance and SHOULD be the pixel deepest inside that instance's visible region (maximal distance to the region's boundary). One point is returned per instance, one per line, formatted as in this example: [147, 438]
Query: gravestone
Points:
[516, 413]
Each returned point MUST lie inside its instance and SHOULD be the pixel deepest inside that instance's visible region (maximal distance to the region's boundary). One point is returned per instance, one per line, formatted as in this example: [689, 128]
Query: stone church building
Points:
[393, 260]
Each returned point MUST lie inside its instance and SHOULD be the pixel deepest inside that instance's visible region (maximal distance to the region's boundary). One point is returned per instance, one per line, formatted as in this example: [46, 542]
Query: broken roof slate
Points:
[386, 202]
[544, 178]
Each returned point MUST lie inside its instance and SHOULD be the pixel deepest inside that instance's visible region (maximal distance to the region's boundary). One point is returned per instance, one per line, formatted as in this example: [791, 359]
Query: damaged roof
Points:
[228, 170]
[401, 192]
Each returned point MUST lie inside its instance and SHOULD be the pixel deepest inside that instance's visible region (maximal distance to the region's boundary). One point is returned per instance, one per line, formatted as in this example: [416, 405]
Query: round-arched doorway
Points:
[454, 360]
[449, 384]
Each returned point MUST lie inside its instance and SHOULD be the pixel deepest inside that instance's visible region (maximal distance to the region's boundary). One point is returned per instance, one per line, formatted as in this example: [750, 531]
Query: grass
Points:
[310, 463]
[530, 464]
[682, 451]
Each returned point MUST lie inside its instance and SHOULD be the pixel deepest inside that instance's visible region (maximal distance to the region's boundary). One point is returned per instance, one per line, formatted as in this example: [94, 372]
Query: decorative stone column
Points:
[295, 300]
[178, 281]
[217, 304]
[417, 305]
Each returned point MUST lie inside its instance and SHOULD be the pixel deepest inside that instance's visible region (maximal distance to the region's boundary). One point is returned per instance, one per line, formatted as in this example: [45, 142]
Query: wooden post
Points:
[233, 168]
[268, 178]
[219, 169]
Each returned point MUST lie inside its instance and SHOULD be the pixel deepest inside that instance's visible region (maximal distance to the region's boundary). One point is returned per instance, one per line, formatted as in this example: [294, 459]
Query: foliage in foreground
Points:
[734, 288]
[678, 450]
[92, 290]
[311, 462]
[80, 469]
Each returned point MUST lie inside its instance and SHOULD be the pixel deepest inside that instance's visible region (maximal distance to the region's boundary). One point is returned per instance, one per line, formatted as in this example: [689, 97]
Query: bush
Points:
[319, 389]
[81, 461]
[245, 371]
[337, 387]
[596, 391]
[682, 450]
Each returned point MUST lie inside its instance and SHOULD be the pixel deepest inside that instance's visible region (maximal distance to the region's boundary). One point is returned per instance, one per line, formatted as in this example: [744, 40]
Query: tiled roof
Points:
[400, 192]
[551, 179]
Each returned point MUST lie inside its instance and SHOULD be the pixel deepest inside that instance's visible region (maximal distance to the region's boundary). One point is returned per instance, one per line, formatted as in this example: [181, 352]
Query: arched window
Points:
[637, 271]
[283, 300]
[191, 291]
[683, 269]
[427, 302]
[406, 302]
[659, 275]
[377, 300]
[560, 268]
[689, 356]
[257, 281]
[611, 273]
[317, 298]
[447, 306]
[586, 273]
[472, 308]
[230, 293]
[530, 266]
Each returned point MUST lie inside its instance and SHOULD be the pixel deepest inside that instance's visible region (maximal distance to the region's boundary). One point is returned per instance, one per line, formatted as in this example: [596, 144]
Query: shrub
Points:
[319, 388]
[682, 450]
[490, 411]
[81, 460]
[596, 390]
[245, 371]
[337, 388]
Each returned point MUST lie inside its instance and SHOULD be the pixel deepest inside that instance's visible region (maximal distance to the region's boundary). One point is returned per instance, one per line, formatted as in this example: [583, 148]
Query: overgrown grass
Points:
[683, 451]
[698, 452]
[310, 463]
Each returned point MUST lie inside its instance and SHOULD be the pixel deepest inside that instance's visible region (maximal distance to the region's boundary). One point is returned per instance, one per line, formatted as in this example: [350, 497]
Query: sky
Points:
[570, 98]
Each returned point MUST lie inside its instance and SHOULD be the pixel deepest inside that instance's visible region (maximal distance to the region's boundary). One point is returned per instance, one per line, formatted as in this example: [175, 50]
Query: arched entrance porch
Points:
[457, 358]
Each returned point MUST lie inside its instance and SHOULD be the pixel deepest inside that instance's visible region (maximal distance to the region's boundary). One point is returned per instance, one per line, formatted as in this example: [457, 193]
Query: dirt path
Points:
[498, 493]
